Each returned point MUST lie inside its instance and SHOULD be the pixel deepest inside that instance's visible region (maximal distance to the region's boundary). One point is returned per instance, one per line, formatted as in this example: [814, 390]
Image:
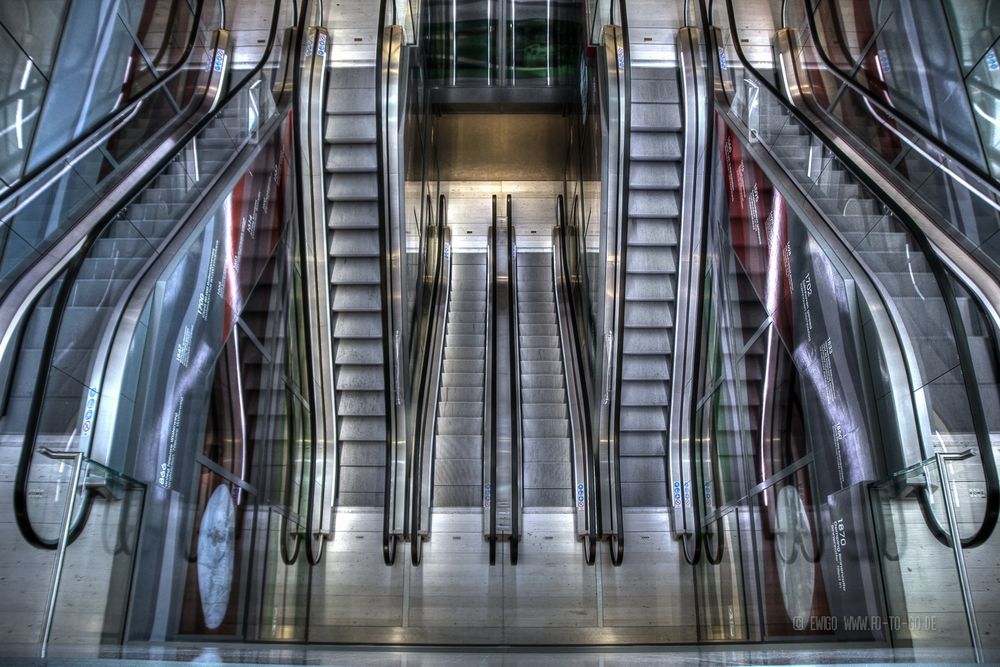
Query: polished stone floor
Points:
[248, 654]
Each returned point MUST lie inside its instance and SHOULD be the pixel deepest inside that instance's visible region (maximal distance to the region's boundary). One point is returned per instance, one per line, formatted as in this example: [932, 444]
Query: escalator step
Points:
[356, 325]
[545, 410]
[650, 315]
[640, 393]
[463, 380]
[450, 366]
[654, 175]
[643, 443]
[348, 158]
[355, 271]
[558, 497]
[354, 243]
[644, 418]
[542, 382]
[460, 426]
[654, 146]
[357, 298]
[462, 353]
[457, 446]
[355, 100]
[645, 260]
[87, 293]
[547, 475]
[352, 187]
[359, 378]
[652, 204]
[467, 328]
[645, 287]
[644, 494]
[651, 367]
[371, 429]
[547, 450]
[460, 409]
[545, 428]
[350, 129]
[353, 215]
[449, 394]
[451, 495]
[459, 472]
[539, 341]
[652, 232]
[656, 90]
[362, 454]
[658, 117]
[350, 77]
[358, 403]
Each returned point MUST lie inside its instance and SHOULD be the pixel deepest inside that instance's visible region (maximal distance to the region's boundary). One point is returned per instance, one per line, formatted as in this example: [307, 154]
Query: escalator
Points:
[505, 443]
[654, 196]
[802, 193]
[937, 290]
[653, 134]
[82, 359]
[65, 337]
[458, 431]
[545, 420]
[355, 279]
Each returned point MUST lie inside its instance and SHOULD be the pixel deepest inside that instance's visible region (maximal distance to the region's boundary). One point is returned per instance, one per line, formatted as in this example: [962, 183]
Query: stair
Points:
[650, 282]
[545, 426]
[458, 437]
[355, 284]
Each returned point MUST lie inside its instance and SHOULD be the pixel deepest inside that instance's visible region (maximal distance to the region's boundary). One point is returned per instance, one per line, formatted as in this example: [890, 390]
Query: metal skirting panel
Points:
[550, 597]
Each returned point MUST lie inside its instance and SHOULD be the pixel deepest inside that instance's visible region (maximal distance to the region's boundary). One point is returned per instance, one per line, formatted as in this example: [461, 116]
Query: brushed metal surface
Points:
[491, 147]
[551, 597]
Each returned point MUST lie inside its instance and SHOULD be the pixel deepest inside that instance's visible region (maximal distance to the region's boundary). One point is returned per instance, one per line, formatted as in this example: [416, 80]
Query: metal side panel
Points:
[317, 263]
[689, 271]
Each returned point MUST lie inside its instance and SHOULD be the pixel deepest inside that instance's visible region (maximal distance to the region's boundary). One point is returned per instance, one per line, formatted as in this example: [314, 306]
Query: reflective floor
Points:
[245, 654]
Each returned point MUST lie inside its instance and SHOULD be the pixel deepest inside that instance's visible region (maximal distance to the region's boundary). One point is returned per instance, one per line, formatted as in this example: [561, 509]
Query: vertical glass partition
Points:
[77, 593]
[927, 588]
[504, 43]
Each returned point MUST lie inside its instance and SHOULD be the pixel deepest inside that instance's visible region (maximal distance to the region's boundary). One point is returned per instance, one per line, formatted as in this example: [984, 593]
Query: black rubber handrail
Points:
[586, 425]
[64, 290]
[616, 543]
[985, 182]
[693, 548]
[314, 555]
[490, 435]
[943, 279]
[29, 181]
[389, 540]
[427, 408]
[514, 343]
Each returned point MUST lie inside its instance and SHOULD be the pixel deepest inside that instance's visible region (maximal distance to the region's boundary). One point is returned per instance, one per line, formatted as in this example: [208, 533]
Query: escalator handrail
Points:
[386, 128]
[307, 214]
[581, 426]
[985, 185]
[430, 381]
[514, 342]
[617, 542]
[48, 349]
[942, 275]
[39, 178]
[687, 345]
[489, 395]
